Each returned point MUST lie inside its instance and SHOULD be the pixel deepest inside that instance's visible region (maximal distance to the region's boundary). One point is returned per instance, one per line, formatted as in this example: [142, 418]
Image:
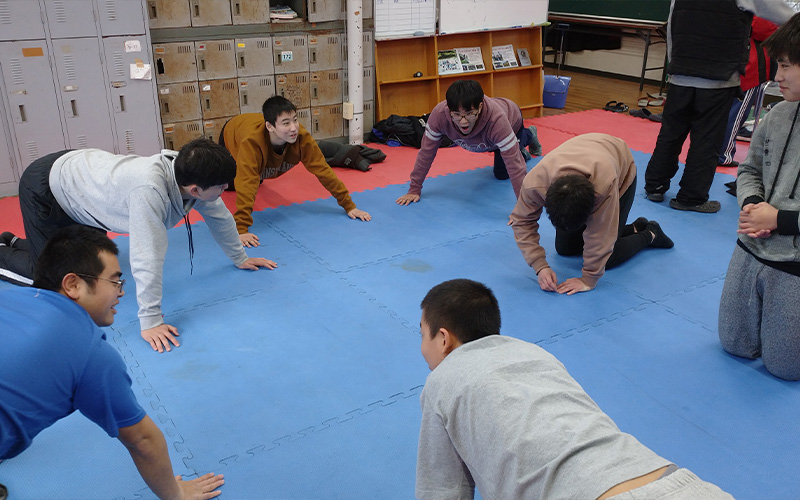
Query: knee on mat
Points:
[568, 251]
[790, 373]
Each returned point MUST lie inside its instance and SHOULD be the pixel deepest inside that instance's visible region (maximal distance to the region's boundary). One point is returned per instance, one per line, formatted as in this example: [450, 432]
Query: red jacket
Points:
[752, 76]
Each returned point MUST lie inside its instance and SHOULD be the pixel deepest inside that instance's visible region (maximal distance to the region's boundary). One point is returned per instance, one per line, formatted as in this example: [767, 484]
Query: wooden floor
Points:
[591, 91]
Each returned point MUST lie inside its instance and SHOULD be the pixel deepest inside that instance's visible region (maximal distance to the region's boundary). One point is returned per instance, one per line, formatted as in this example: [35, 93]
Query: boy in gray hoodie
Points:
[758, 313]
[142, 196]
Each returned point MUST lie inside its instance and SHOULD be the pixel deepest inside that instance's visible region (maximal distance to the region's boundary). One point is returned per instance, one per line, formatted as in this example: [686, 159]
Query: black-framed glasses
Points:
[469, 116]
[119, 283]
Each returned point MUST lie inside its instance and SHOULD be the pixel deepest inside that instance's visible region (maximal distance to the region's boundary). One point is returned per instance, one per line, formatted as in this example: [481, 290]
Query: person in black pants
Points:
[708, 46]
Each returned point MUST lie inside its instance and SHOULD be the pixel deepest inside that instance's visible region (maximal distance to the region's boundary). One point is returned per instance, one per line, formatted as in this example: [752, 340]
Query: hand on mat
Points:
[573, 286]
[249, 240]
[359, 214]
[758, 220]
[253, 263]
[547, 280]
[201, 488]
[407, 198]
[160, 336]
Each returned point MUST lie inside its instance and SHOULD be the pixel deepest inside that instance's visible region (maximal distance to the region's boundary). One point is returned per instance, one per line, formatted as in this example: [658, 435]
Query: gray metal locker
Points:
[325, 51]
[9, 173]
[367, 9]
[210, 12]
[325, 10]
[304, 118]
[326, 121]
[81, 85]
[30, 88]
[369, 85]
[178, 134]
[179, 102]
[215, 59]
[295, 87]
[133, 102]
[290, 53]
[253, 91]
[168, 13]
[121, 17]
[254, 56]
[212, 128]
[367, 47]
[219, 98]
[174, 62]
[250, 11]
[326, 87]
[70, 18]
[20, 20]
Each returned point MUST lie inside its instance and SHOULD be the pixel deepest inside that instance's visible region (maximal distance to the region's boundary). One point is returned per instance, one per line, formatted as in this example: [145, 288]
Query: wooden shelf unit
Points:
[398, 92]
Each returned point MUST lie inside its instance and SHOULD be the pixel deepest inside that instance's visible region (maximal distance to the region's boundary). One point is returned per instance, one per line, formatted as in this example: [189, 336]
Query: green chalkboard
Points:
[643, 10]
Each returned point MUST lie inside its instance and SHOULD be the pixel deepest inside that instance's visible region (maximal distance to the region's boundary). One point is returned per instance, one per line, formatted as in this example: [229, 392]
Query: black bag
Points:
[405, 130]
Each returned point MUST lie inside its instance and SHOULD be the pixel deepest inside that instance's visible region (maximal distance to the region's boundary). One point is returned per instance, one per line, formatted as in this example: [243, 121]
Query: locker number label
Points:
[286, 56]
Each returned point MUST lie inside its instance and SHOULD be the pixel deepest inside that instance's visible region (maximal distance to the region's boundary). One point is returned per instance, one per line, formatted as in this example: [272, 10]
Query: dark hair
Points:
[464, 94]
[466, 308]
[72, 249]
[275, 106]
[204, 163]
[785, 41]
[569, 202]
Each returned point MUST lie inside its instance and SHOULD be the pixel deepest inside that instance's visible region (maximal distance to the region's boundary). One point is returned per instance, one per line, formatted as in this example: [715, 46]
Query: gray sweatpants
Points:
[680, 485]
[759, 315]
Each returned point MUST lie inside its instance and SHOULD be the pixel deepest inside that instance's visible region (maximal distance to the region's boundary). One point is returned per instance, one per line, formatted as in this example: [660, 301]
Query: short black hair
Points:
[466, 308]
[204, 163]
[72, 249]
[569, 202]
[785, 41]
[275, 106]
[464, 94]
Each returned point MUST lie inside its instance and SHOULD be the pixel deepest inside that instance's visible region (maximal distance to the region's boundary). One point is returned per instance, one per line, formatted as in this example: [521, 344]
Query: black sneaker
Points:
[708, 207]
[656, 197]
[660, 240]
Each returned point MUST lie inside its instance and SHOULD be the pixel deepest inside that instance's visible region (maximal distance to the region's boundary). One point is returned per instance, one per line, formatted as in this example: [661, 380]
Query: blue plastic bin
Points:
[555, 91]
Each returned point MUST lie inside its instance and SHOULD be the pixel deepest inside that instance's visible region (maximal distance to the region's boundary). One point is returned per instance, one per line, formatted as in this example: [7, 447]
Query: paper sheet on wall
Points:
[404, 18]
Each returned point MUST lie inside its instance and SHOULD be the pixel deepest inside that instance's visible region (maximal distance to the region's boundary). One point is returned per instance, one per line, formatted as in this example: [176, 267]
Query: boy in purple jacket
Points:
[476, 123]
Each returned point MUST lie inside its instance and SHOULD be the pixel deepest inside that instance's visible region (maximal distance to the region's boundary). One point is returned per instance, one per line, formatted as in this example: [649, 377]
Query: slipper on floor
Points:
[655, 117]
[616, 107]
[658, 101]
[640, 113]
[642, 102]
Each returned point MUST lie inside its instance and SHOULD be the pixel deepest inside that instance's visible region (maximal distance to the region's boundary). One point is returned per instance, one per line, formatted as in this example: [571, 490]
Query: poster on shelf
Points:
[524, 57]
[503, 57]
[471, 59]
[449, 62]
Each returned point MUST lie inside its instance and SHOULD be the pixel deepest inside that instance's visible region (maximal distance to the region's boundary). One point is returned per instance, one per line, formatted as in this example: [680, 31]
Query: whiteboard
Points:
[458, 16]
[404, 18]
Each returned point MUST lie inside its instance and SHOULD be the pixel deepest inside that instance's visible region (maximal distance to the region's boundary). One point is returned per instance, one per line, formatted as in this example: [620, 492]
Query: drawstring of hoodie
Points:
[191, 242]
[783, 155]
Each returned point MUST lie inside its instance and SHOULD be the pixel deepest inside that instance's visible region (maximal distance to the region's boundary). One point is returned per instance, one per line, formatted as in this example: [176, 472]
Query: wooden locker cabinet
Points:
[399, 92]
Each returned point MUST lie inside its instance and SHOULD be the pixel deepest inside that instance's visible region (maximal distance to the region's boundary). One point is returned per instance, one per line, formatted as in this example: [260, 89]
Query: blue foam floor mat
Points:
[303, 382]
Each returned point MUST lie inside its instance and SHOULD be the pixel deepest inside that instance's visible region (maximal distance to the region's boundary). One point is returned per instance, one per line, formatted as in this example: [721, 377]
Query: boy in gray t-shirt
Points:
[505, 416]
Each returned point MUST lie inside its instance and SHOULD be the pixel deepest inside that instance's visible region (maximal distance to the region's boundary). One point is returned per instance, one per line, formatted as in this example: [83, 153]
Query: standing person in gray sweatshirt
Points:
[142, 196]
[758, 313]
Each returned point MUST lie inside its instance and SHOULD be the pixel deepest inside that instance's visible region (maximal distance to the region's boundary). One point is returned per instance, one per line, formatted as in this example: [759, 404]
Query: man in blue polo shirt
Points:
[56, 360]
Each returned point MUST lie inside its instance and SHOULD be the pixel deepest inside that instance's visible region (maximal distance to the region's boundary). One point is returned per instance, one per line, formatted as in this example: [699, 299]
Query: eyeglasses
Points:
[469, 116]
[119, 283]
